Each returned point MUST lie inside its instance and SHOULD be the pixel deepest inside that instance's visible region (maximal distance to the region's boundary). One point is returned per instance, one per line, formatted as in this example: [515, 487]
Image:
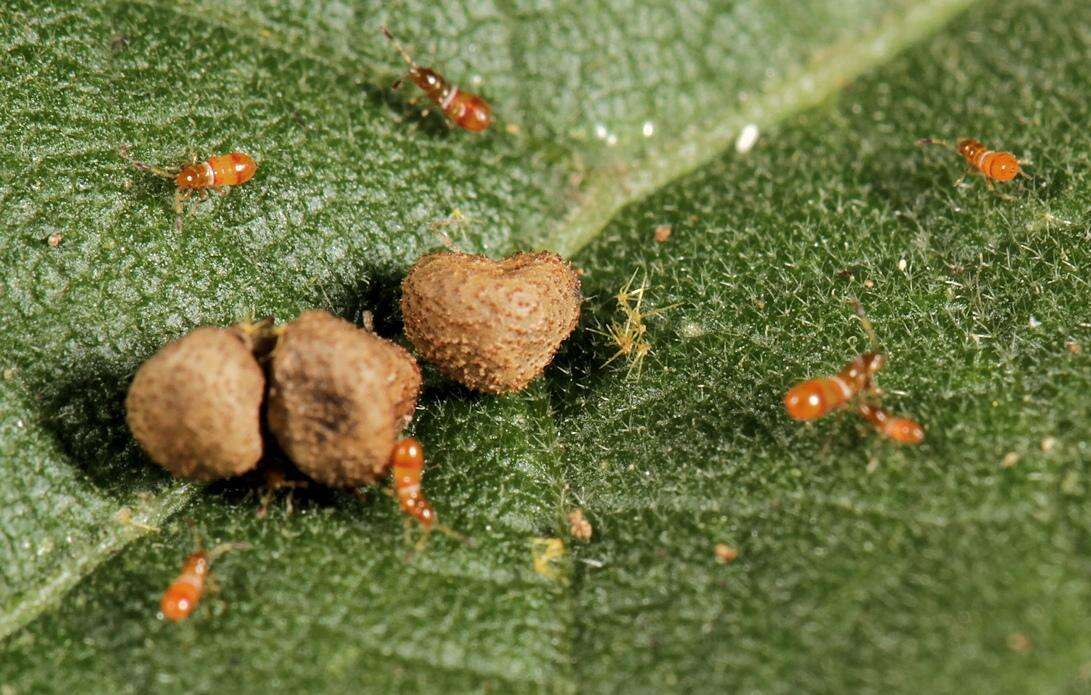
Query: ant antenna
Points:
[405, 54]
[451, 533]
[226, 548]
[931, 141]
[124, 152]
[858, 309]
[198, 541]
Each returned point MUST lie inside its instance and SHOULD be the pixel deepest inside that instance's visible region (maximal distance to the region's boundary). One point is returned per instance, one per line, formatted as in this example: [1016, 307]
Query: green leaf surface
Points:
[959, 565]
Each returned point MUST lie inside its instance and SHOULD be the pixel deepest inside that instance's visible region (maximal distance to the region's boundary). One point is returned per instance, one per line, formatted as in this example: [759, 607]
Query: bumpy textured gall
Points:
[195, 406]
[403, 377]
[338, 397]
[491, 325]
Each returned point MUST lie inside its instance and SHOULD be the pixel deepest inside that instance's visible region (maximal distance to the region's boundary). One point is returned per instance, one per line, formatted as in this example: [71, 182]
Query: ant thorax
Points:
[430, 81]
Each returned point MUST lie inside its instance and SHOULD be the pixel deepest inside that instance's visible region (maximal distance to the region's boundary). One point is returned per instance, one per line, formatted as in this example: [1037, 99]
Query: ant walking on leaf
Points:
[406, 473]
[993, 166]
[854, 386]
[185, 591]
[464, 109]
[218, 173]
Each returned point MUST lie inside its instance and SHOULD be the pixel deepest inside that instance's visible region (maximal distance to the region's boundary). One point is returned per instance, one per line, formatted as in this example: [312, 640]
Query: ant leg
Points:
[421, 543]
[157, 171]
[961, 179]
[407, 539]
[265, 500]
[179, 197]
[997, 192]
[223, 548]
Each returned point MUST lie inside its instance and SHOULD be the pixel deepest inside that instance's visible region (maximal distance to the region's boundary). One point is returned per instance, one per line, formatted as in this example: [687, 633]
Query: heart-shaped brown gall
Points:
[491, 325]
[195, 406]
[338, 398]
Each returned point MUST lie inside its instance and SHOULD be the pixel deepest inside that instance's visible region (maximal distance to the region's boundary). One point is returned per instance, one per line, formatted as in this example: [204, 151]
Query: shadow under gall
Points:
[83, 407]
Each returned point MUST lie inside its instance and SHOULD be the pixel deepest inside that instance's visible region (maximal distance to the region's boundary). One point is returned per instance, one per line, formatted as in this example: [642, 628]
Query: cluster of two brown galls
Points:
[339, 396]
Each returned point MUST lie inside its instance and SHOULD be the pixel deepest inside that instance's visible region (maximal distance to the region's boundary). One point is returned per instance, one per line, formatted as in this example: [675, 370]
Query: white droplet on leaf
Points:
[747, 137]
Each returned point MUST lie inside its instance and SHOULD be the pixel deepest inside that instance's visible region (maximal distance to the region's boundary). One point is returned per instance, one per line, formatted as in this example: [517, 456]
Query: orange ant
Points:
[819, 397]
[185, 592]
[407, 469]
[466, 110]
[993, 166]
[219, 173]
[816, 398]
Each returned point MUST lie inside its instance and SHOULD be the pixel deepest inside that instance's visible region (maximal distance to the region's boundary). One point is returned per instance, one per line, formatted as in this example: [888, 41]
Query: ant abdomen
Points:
[812, 399]
[900, 429]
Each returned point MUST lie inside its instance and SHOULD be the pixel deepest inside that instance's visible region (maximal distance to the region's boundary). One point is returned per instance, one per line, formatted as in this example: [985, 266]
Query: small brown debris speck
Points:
[869, 283]
[513, 128]
[579, 526]
[662, 233]
[1048, 444]
[1020, 643]
[1074, 347]
[1010, 459]
[55, 239]
[725, 554]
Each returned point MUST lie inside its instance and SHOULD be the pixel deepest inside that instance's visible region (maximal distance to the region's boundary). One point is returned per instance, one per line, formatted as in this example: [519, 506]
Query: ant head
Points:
[426, 78]
[189, 177]
[965, 146]
[408, 453]
[1005, 167]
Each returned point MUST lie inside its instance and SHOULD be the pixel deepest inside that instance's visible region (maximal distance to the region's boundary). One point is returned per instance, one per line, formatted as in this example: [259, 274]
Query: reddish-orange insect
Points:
[994, 166]
[900, 429]
[185, 592]
[854, 385]
[466, 110]
[818, 397]
[217, 173]
[407, 469]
